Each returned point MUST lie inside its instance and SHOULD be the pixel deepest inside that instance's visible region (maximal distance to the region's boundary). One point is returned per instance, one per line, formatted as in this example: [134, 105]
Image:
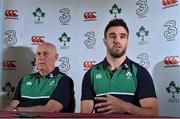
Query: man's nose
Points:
[116, 39]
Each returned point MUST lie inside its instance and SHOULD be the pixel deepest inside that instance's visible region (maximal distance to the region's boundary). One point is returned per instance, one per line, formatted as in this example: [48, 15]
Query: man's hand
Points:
[110, 104]
[12, 106]
[9, 108]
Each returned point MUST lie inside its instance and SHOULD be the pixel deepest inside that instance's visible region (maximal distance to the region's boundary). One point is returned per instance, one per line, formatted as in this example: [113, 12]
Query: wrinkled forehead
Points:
[45, 48]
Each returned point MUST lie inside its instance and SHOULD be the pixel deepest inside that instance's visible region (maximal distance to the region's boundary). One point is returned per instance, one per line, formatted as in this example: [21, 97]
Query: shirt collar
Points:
[50, 75]
[125, 65]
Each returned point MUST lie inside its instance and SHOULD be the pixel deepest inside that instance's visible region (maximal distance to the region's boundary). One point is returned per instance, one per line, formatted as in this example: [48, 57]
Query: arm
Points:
[116, 105]
[148, 107]
[87, 106]
[12, 106]
[51, 106]
[59, 100]
[87, 97]
[16, 99]
[145, 93]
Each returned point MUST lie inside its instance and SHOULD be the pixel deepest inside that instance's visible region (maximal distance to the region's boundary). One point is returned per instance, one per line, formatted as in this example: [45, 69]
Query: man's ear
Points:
[104, 40]
[56, 56]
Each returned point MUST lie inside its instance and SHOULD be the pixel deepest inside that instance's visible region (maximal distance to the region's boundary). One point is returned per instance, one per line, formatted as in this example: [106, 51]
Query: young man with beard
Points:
[117, 84]
[47, 90]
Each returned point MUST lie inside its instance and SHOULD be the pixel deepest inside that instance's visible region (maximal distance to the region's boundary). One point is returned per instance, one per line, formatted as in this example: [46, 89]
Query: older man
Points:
[47, 90]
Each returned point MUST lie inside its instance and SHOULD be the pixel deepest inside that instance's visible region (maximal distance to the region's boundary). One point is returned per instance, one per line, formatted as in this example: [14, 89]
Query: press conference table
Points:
[6, 114]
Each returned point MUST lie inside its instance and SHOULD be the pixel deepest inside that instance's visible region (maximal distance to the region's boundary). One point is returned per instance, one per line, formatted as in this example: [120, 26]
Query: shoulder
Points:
[141, 72]
[137, 66]
[94, 68]
[98, 66]
[29, 76]
[65, 77]
[61, 75]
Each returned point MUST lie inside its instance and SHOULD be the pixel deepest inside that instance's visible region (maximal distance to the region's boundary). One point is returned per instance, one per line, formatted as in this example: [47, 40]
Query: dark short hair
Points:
[116, 22]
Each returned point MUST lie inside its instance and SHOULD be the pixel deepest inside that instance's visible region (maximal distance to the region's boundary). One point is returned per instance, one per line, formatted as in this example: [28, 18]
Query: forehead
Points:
[44, 48]
[117, 29]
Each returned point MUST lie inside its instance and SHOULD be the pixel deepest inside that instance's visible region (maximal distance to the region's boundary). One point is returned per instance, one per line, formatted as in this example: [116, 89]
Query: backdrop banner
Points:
[76, 28]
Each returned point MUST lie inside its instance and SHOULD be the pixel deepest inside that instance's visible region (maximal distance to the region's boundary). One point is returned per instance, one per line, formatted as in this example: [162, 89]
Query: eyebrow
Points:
[121, 34]
[41, 52]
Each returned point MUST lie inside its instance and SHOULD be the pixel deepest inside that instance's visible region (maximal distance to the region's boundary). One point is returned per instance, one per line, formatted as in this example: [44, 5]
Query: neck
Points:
[45, 72]
[115, 63]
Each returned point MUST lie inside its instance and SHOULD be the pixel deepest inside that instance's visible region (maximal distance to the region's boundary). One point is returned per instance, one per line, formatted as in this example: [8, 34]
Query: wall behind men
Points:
[76, 28]
[1, 47]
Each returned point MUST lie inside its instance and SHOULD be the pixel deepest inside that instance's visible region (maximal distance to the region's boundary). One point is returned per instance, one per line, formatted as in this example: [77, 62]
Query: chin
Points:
[41, 68]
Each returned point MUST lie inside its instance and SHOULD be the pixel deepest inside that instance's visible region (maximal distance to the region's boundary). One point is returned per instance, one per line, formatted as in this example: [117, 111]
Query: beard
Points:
[115, 53]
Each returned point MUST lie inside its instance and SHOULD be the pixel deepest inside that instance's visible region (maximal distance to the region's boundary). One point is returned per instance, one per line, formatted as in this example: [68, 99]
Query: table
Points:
[9, 114]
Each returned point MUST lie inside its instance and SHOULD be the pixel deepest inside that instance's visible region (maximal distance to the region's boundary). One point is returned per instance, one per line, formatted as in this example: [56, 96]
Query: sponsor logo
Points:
[64, 39]
[173, 89]
[65, 17]
[142, 33]
[169, 3]
[9, 65]
[64, 64]
[11, 14]
[8, 88]
[144, 60]
[90, 16]
[98, 76]
[91, 40]
[88, 64]
[115, 10]
[171, 30]
[171, 61]
[142, 9]
[38, 14]
[10, 39]
[29, 83]
[37, 40]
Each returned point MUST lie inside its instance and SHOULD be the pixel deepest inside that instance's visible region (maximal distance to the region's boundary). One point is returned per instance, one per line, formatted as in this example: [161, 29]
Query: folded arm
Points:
[12, 106]
[51, 106]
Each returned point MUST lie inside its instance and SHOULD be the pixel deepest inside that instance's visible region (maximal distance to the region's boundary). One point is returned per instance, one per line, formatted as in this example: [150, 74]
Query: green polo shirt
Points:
[34, 90]
[130, 82]
[41, 87]
[121, 81]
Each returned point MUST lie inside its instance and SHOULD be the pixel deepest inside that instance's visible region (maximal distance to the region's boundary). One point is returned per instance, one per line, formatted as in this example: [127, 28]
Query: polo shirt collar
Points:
[50, 75]
[125, 65]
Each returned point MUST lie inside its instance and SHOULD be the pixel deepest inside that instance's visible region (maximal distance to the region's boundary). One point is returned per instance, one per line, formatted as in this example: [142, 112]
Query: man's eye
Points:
[38, 54]
[112, 36]
[45, 53]
[122, 37]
